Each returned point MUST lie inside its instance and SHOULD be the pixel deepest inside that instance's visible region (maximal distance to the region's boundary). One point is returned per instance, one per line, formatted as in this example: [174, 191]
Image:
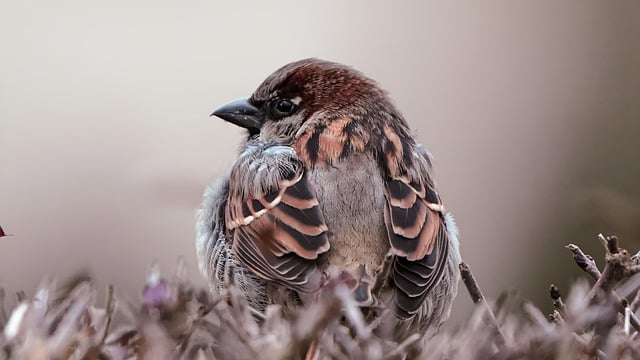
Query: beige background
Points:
[531, 111]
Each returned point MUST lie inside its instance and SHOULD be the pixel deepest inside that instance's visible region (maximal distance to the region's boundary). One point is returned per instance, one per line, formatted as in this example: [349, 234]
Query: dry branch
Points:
[619, 266]
[478, 298]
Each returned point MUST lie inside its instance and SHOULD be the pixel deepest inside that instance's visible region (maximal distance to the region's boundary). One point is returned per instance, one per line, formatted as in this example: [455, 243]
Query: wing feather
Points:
[280, 233]
[414, 217]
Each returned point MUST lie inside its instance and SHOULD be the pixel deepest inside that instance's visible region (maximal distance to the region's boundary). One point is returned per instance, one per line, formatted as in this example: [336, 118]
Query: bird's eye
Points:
[282, 108]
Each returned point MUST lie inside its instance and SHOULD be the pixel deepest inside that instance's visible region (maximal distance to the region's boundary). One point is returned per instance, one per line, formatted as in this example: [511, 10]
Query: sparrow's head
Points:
[304, 92]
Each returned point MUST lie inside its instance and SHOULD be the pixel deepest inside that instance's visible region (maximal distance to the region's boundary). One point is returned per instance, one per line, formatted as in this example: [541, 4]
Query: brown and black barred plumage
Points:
[329, 183]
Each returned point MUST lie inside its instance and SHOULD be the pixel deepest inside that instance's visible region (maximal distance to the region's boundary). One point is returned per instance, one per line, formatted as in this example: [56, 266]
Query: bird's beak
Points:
[241, 113]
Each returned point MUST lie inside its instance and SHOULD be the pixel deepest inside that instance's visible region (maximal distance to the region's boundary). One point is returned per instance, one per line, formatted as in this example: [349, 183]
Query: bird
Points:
[330, 184]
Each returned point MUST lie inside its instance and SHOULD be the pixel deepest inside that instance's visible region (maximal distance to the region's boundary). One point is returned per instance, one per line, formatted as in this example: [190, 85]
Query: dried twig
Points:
[584, 261]
[558, 304]
[470, 283]
[478, 298]
[556, 318]
[615, 269]
[110, 309]
[620, 265]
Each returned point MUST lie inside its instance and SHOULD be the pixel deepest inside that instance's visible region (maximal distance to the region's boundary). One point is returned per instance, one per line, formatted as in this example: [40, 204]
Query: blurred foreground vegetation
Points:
[175, 320]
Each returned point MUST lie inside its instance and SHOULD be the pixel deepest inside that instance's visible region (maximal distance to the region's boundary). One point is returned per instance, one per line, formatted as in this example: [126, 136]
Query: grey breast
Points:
[352, 200]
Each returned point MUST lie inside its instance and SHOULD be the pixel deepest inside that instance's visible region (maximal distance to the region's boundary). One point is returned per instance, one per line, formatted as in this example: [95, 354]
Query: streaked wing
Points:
[414, 219]
[415, 279]
[278, 234]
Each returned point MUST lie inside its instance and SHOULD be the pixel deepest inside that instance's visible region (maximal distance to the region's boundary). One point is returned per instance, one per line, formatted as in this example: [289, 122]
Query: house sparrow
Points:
[329, 185]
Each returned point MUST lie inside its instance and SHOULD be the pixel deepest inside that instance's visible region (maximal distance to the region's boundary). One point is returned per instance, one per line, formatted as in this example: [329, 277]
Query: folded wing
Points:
[274, 218]
[414, 219]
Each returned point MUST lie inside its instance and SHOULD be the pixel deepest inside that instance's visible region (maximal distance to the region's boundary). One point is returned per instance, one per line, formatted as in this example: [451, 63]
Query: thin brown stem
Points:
[110, 309]
[478, 298]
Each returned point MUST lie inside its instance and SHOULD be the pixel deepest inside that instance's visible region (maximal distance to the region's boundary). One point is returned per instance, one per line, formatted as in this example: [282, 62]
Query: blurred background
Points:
[532, 113]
